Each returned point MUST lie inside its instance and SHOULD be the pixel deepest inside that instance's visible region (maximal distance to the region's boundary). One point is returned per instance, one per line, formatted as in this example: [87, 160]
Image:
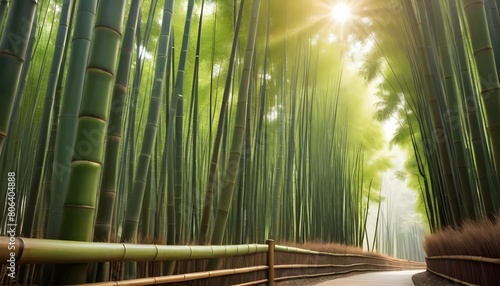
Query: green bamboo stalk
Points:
[77, 222]
[146, 207]
[128, 152]
[47, 116]
[114, 132]
[244, 179]
[487, 72]
[180, 201]
[174, 130]
[194, 216]
[451, 92]
[477, 135]
[135, 198]
[442, 132]
[254, 174]
[365, 219]
[107, 195]
[50, 150]
[292, 121]
[3, 10]
[375, 233]
[68, 115]
[163, 206]
[14, 143]
[277, 188]
[47, 185]
[174, 141]
[231, 171]
[13, 47]
[439, 136]
[212, 175]
[493, 18]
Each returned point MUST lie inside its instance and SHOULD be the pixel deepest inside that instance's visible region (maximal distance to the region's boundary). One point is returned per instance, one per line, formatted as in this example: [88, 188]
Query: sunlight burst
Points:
[341, 12]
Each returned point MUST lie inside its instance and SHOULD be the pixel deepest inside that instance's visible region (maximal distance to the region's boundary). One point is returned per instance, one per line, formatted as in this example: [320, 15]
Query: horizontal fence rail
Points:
[295, 263]
[373, 257]
[260, 264]
[36, 251]
[467, 270]
[184, 277]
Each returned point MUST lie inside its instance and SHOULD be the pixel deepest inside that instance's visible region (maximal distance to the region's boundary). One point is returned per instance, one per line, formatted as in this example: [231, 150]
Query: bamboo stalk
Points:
[13, 48]
[232, 171]
[135, 199]
[68, 114]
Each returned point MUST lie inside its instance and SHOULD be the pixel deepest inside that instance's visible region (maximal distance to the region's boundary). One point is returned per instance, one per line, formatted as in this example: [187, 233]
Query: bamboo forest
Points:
[249, 142]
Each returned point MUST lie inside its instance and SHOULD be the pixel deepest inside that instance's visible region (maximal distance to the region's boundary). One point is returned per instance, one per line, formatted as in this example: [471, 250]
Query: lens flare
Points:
[341, 12]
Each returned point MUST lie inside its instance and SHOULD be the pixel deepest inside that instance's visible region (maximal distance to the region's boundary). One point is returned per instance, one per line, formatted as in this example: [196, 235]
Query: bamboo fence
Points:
[467, 270]
[280, 263]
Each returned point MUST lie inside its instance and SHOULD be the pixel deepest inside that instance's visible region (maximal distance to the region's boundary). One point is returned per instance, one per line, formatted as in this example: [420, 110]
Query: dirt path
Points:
[392, 278]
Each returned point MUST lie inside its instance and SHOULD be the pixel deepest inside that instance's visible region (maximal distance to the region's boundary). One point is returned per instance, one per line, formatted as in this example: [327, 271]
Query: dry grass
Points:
[473, 238]
[478, 239]
[332, 248]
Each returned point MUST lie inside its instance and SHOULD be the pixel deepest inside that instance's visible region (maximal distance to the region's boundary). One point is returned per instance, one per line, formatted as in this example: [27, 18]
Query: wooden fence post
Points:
[270, 262]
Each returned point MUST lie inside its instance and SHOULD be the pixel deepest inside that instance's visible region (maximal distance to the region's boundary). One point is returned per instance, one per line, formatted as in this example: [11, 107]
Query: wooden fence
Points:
[264, 264]
[466, 270]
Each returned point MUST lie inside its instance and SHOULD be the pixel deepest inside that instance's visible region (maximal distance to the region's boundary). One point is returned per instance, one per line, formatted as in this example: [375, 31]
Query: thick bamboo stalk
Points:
[114, 131]
[488, 74]
[77, 222]
[476, 128]
[68, 114]
[451, 92]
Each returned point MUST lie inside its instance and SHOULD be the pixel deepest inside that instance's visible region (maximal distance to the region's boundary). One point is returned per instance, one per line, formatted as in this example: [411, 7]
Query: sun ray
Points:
[341, 12]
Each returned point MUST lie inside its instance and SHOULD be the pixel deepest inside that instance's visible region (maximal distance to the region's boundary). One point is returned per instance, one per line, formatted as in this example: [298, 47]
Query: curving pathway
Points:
[392, 278]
